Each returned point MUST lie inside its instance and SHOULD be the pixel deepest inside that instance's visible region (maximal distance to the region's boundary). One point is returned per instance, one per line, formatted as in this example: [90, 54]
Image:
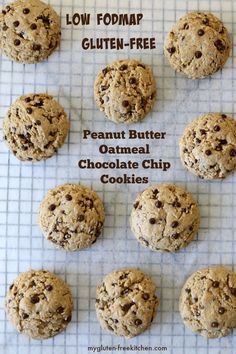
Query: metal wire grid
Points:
[69, 75]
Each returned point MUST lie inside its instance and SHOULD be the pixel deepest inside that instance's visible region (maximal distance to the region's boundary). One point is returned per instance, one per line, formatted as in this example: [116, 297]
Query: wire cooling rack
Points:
[69, 75]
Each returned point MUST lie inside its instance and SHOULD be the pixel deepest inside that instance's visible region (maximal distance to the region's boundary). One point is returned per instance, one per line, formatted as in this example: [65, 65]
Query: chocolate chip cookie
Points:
[29, 31]
[126, 302]
[39, 304]
[165, 218]
[125, 91]
[198, 45]
[208, 302]
[71, 216]
[208, 146]
[35, 127]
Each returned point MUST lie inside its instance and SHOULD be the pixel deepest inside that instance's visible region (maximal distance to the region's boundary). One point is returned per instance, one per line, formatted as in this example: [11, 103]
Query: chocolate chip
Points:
[33, 26]
[125, 291]
[4, 12]
[34, 299]
[143, 102]
[218, 148]
[125, 104]
[123, 67]
[16, 23]
[49, 287]
[155, 192]
[202, 131]
[221, 310]
[69, 318]
[68, 197]
[29, 110]
[8, 8]
[24, 315]
[188, 290]
[142, 66]
[39, 103]
[11, 286]
[105, 71]
[176, 235]
[60, 309]
[26, 11]
[138, 322]
[115, 321]
[27, 99]
[201, 32]
[152, 221]
[32, 283]
[16, 42]
[126, 307]
[5, 28]
[36, 47]
[223, 116]
[145, 296]
[132, 81]
[232, 153]
[215, 284]
[144, 241]
[136, 204]
[205, 21]
[223, 141]
[38, 122]
[158, 204]
[219, 45]
[214, 324]
[80, 218]
[208, 152]
[52, 207]
[198, 54]
[104, 87]
[174, 224]
[216, 128]
[171, 50]
[176, 204]
[198, 141]
[233, 291]
[186, 26]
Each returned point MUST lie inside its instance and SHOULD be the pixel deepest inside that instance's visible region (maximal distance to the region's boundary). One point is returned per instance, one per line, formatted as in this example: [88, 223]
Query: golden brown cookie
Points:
[125, 91]
[198, 45]
[29, 31]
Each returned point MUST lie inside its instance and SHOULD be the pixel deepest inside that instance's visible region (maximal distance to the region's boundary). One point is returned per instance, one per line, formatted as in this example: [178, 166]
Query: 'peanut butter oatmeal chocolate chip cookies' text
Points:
[29, 31]
[198, 45]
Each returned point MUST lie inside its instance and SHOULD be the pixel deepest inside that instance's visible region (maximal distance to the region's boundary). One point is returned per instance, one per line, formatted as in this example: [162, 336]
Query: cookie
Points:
[208, 302]
[198, 45]
[35, 127]
[71, 216]
[39, 304]
[126, 302]
[125, 91]
[165, 217]
[208, 146]
[29, 31]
